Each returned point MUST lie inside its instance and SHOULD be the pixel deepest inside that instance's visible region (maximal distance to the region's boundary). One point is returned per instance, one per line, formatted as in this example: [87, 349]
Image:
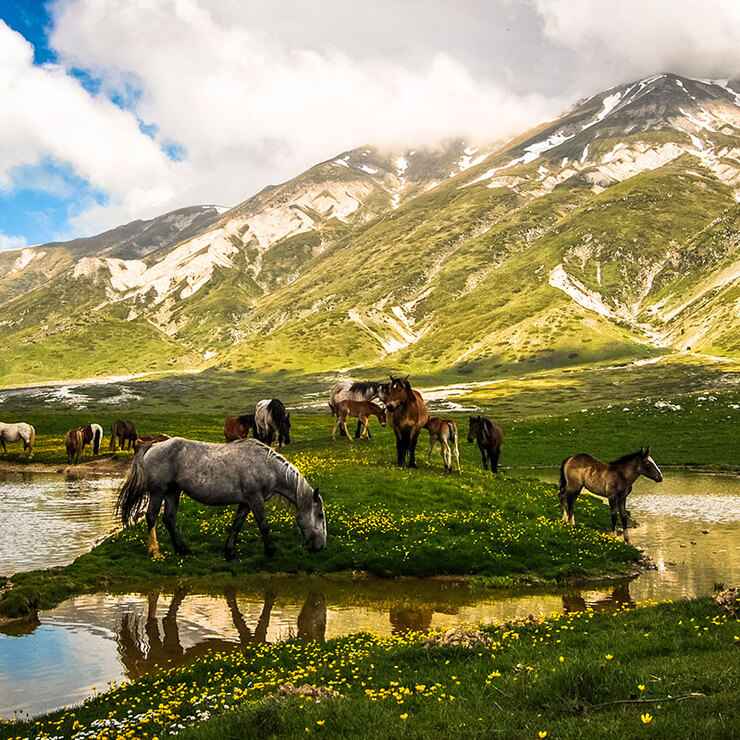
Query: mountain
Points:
[610, 232]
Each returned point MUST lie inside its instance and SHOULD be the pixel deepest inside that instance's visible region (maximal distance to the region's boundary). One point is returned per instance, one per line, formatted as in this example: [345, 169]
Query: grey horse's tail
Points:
[133, 492]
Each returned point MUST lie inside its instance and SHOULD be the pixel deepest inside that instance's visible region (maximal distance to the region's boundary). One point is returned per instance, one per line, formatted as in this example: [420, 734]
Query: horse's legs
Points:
[446, 455]
[155, 503]
[413, 439]
[258, 512]
[493, 454]
[484, 456]
[400, 448]
[171, 504]
[236, 526]
[572, 507]
[431, 449]
[614, 509]
[2, 442]
[623, 515]
[358, 429]
[365, 427]
[336, 426]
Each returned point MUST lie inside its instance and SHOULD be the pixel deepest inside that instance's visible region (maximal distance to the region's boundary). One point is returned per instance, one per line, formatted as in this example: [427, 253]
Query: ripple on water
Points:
[50, 520]
[706, 508]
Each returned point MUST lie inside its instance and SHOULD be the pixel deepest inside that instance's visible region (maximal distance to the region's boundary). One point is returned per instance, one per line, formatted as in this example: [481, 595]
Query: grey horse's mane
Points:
[293, 476]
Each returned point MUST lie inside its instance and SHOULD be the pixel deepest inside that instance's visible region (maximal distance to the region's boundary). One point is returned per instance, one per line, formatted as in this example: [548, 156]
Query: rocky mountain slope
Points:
[611, 232]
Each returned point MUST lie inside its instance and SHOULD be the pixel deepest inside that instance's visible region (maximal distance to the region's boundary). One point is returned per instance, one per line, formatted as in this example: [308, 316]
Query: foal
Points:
[361, 410]
[444, 431]
[613, 480]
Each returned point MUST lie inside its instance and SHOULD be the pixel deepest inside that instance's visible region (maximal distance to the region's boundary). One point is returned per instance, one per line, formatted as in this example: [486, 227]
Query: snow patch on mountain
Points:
[25, 258]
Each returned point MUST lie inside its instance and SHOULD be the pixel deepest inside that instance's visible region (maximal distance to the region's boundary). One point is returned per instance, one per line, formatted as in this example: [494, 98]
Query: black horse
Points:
[489, 436]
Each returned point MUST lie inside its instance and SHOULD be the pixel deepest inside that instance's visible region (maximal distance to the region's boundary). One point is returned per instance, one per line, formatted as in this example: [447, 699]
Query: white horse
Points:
[18, 432]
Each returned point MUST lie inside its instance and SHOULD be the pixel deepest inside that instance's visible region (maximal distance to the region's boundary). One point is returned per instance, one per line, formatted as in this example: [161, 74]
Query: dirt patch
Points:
[100, 466]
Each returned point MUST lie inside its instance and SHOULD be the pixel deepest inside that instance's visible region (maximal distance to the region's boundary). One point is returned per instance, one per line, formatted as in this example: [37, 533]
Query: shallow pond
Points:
[689, 525]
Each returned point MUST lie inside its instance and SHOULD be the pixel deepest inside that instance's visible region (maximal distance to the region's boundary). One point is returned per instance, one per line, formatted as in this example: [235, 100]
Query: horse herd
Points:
[248, 472]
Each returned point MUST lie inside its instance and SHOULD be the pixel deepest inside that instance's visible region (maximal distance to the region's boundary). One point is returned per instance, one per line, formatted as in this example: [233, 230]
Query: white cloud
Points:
[634, 38]
[48, 116]
[250, 110]
[11, 242]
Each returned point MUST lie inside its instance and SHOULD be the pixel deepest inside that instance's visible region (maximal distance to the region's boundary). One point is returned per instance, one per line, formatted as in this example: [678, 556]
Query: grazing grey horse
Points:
[246, 473]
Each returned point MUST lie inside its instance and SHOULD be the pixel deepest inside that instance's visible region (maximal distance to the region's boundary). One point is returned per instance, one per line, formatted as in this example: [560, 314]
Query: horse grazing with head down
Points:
[408, 415]
[18, 432]
[355, 390]
[92, 434]
[237, 427]
[74, 442]
[489, 436]
[613, 480]
[123, 432]
[246, 473]
[362, 410]
[272, 420]
[444, 431]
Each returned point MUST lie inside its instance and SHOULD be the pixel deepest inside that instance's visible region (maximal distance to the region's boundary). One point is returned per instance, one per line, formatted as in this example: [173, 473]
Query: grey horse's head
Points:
[312, 521]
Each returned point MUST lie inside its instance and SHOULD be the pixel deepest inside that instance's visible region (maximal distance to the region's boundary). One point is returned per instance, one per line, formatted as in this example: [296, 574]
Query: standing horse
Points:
[92, 434]
[613, 480]
[18, 432]
[74, 442]
[270, 419]
[489, 436]
[408, 417]
[246, 473]
[237, 427]
[444, 431]
[362, 410]
[124, 432]
[356, 390]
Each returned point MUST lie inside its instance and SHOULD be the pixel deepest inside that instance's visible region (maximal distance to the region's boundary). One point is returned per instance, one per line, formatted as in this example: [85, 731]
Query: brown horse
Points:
[613, 480]
[123, 432]
[408, 417]
[489, 436]
[149, 439]
[238, 427]
[74, 441]
[361, 410]
[444, 431]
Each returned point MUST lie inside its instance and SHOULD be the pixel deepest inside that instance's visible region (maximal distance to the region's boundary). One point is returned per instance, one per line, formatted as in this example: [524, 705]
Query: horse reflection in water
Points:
[618, 598]
[164, 647]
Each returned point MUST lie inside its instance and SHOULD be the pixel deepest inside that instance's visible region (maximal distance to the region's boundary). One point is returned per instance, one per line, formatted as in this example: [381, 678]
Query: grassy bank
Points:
[381, 520]
[665, 671]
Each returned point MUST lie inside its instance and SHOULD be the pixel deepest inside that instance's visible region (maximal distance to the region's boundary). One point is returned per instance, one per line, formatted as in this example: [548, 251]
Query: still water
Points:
[689, 525]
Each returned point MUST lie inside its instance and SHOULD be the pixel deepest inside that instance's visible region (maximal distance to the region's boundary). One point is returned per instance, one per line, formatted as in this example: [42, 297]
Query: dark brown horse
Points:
[613, 480]
[74, 442]
[92, 434]
[489, 436]
[238, 427]
[362, 411]
[408, 417]
[124, 433]
[150, 439]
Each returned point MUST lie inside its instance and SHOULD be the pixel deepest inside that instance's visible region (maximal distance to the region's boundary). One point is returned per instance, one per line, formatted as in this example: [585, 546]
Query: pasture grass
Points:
[661, 671]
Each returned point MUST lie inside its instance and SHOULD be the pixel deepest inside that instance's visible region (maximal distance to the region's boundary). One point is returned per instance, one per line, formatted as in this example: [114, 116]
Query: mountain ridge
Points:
[569, 243]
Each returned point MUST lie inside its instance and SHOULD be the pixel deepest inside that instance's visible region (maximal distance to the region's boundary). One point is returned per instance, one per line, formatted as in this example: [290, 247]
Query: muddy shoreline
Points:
[101, 466]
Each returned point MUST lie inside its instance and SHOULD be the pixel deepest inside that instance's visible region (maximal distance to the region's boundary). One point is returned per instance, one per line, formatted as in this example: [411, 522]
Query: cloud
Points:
[634, 38]
[11, 242]
[49, 117]
[250, 108]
